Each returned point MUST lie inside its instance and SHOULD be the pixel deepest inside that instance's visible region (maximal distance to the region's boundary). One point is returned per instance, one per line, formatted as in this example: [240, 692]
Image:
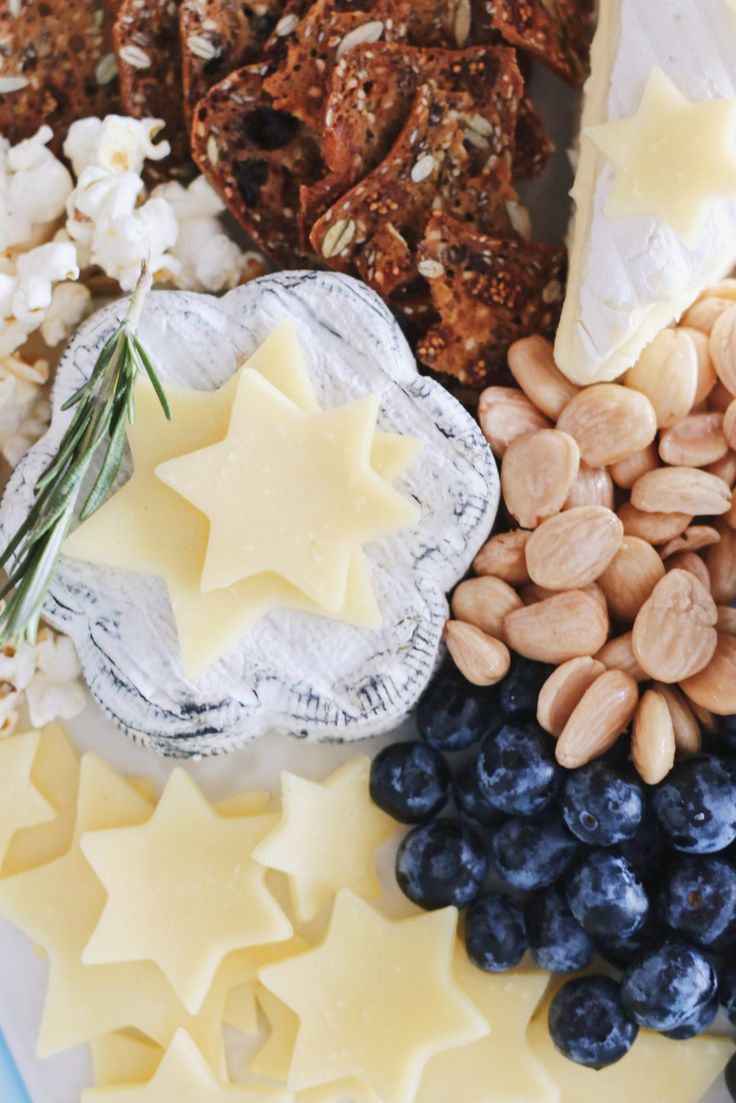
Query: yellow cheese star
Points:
[655, 1068]
[507, 1002]
[375, 1001]
[148, 528]
[288, 492]
[124, 1058]
[327, 837]
[183, 890]
[184, 1075]
[21, 804]
[671, 159]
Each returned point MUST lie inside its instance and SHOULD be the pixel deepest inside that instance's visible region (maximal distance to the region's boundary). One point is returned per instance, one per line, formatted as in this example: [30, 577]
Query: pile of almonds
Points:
[619, 563]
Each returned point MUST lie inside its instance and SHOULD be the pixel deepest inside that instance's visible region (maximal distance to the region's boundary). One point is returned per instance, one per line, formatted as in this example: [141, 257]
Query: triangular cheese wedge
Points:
[633, 273]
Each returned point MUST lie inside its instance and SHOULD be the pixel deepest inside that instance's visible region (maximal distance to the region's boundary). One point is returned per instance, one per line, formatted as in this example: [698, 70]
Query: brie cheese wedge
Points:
[292, 671]
[630, 277]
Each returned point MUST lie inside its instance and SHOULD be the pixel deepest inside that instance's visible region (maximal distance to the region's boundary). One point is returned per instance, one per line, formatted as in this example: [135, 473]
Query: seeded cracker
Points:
[57, 64]
[556, 32]
[218, 36]
[149, 61]
[327, 31]
[488, 293]
[533, 147]
[255, 156]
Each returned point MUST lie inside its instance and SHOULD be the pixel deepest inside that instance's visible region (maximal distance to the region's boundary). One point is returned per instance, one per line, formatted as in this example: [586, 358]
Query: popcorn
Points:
[26, 288]
[34, 187]
[21, 404]
[47, 672]
[117, 144]
[69, 304]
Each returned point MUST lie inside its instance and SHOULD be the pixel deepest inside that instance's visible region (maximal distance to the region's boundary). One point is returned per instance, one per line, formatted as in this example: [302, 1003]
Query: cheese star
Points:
[183, 890]
[124, 1058]
[671, 159]
[21, 804]
[289, 492]
[184, 1075]
[507, 1003]
[375, 1001]
[327, 837]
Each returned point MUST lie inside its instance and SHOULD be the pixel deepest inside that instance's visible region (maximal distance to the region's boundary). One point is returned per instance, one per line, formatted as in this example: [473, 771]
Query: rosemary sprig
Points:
[103, 406]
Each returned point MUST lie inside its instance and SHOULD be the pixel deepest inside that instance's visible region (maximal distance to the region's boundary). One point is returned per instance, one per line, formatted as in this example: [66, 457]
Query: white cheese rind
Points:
[311, 677]
[631, 277]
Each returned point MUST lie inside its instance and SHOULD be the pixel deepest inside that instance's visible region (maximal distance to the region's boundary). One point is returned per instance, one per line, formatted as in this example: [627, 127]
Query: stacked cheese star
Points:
[252, 498]
[164, 923]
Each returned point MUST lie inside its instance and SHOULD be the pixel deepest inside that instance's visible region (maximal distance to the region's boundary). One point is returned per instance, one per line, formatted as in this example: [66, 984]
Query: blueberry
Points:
[495, 936]
[607, 897]
[452, 714]
[588, 1023]
[518, 692]
[529, 854]
[622, 952]
[727, 990]
[557, 941]
[696, 1023]
[441, 863]
[601, 805]
[666, 987]
[517, 772]
[410, 781]
[696, 805]
[731, 1077]
[647, 850]
[699, 898]
[471, 805]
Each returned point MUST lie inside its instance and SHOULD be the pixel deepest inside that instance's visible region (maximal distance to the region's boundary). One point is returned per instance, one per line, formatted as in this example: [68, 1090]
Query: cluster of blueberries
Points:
[572, 864]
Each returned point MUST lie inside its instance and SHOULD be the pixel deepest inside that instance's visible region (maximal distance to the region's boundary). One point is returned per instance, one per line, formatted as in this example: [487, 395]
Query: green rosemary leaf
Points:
[108, 470]
[152, 375]
[106, 355]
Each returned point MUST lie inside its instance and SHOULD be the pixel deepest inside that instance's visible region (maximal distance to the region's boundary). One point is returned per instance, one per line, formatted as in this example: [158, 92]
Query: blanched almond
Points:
[693, 539]
[532, 364]
[594, 591]
[503, 556]
[720, 559]
[714, 688]
[537, 472]
[563, 689]
[603, 712]
[729, 424]
[674, 633]
[704, 314]
[484, 602]
[719, 399]
[609, 422]
[725, 469]
[572, 549]
[730, 517]
[704, 716]
[653, 738]
[723, 348]
[689, 561]
[727, 620]
[695, 441]
[618, 654]
[706, 371]
[667, 373]
[630, 577]
[531, 593]
[681, 490]
[655, 528]
[592, 487]
[558, 628]
[504, 414]
[481, 659]
[626, 472]
[688, 737]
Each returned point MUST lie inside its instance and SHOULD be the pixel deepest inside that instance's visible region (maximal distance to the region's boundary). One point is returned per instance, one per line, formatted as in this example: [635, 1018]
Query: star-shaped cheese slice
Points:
[507, 1002]
[183, 890]
[184, 1076]
[21, 804]
[124, 1057]
[375, 1001]
[655, 1068]
[672, 159]
[288, 492]
[121, 534]
[327, 837]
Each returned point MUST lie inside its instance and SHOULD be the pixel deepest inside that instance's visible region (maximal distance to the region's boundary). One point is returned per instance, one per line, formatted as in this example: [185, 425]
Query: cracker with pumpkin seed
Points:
[218, 36]
[146, 37]
[427, 168]
[328, 30]
[255, 156]
[58, 65]
[556, 32]
[488, 293]
[533, 147]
